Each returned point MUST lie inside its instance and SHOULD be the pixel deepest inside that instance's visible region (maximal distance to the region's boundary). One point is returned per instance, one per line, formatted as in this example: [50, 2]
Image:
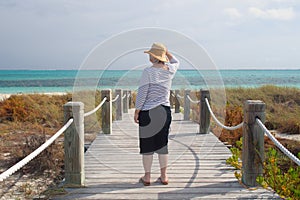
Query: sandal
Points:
[163, 182]
[146, 183]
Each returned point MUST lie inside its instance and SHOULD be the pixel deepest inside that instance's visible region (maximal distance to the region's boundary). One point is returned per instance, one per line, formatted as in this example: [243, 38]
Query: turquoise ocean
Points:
[37, 81]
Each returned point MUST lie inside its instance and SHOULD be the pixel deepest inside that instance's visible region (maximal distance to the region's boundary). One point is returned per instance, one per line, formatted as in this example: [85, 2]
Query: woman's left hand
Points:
[136, 116]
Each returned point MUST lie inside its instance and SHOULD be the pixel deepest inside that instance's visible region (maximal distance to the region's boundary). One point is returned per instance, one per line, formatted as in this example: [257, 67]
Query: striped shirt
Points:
[155, 85]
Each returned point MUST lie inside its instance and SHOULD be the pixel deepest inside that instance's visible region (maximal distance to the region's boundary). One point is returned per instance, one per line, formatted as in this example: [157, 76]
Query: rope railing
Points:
[218, 122]
[181, 97]
[123, 97]
[35, 153]
[95, 109]
[277, 143]
[115, 99]
[191, 100]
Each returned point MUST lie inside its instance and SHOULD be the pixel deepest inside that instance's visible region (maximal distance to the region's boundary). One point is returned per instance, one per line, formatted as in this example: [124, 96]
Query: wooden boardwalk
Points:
[197, 167]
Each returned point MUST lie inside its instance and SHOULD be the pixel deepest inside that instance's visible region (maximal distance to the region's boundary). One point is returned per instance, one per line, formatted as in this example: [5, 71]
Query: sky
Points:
[59, 34]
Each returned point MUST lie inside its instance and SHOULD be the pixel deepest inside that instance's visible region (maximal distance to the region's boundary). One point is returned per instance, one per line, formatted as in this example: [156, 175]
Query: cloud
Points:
[61, 33]
[233, 13]
[275, 14]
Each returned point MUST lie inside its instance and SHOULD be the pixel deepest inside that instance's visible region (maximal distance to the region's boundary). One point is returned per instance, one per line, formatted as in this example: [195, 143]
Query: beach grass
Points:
[282, 105]
[26, 121]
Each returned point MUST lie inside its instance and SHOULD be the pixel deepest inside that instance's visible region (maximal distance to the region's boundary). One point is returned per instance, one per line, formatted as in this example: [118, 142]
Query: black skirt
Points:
[154, 127]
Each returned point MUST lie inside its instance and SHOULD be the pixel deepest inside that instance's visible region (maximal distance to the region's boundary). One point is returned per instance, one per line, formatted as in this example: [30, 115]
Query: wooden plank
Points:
[158, 188]
[161, 192]
[182, 167]
[166, 196]
[130, 180]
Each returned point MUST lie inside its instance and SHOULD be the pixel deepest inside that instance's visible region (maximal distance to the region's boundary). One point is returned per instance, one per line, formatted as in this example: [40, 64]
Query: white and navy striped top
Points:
[155, 85]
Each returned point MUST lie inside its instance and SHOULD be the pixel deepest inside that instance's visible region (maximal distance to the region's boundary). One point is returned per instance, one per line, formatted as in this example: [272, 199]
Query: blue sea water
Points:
[31, 81]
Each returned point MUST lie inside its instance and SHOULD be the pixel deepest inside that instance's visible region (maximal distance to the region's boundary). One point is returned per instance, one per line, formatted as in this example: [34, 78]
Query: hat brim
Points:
[163, 59]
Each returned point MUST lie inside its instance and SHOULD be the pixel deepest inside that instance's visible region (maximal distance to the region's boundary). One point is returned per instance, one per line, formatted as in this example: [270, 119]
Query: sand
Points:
[295, 137]
[6, 96]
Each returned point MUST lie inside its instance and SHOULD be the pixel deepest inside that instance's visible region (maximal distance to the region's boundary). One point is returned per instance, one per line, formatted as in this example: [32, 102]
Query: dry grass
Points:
[26, 122]
[282, 104]
[282, 110]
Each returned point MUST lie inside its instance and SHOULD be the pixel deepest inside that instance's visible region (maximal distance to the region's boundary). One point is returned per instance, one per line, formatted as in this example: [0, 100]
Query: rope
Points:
[115, 99]
[172, 95]
[277, 143]
[123, 97]
[179, 96]
[191, 100]
[219, 123]
[95, 109]
[36, 152]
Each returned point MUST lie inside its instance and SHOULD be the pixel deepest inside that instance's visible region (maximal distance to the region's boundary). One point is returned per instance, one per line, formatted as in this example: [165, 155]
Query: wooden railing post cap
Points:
[204, 93]
[74, 104]
[106, 93]
[107, 89]
[255, 106]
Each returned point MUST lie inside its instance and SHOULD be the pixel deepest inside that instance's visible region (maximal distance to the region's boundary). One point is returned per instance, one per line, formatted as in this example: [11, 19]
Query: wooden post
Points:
[74, 145]
[177, 103]
[253, 142]
[186, 114]
[171, 99]
[125, 101]
[106, 113]
[204, 112]
[129, 99]
[119, 104]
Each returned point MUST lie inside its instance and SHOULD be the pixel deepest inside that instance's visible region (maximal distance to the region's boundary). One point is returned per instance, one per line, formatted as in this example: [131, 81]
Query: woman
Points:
[153, 112]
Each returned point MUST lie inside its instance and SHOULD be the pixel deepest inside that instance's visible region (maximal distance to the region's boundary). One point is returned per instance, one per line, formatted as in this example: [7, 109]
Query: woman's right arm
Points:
[174, 62]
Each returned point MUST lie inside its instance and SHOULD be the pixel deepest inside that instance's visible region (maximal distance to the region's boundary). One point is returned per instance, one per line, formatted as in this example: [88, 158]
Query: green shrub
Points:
[235, 159]
[286, 184]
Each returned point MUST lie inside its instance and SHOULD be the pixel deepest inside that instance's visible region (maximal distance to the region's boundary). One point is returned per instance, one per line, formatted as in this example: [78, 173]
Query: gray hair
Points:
[155, 60]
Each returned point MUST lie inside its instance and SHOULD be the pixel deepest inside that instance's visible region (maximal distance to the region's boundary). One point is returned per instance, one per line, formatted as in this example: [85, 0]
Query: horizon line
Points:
[142, 69]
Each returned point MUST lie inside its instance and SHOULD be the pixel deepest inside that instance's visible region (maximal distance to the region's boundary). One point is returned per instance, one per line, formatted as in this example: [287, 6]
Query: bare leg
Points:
[163, 162]
[147, 163]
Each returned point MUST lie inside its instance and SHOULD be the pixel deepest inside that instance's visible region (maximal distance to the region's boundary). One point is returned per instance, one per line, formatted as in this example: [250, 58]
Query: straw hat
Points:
[158, 51]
